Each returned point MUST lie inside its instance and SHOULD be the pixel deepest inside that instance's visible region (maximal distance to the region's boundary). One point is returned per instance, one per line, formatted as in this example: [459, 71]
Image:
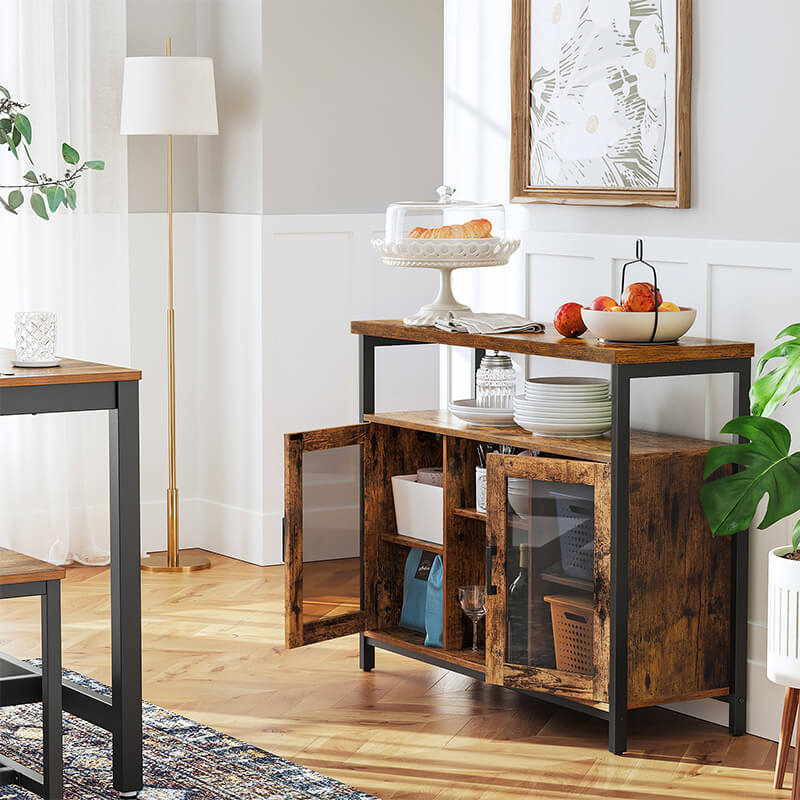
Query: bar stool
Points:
[21, 576]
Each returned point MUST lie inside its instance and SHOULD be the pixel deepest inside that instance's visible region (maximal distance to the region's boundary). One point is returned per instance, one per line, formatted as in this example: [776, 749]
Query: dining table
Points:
[76, 386]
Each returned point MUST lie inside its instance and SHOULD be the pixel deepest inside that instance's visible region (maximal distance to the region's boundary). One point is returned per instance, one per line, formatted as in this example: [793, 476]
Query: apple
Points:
[667, 306]
[616, 308]
[602, 303]
[568, 320]
[639, 297]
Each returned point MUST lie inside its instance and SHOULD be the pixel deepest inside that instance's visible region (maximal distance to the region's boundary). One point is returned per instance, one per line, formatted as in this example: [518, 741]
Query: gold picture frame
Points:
[677, 129]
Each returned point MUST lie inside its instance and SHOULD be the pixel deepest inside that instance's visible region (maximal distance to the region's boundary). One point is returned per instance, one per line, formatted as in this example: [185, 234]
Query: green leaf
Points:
[70, 154]
[95, 164]
[16, 136]
[4, 91]
[730, 502]
[37, 204]
[796, 535]
[27, 153]
[30, 176]
[773, 389]
[12, 146]
[15, 199]
[72, 199]
[55, 196]
[23, 125]
[6, 206]
[5, 124]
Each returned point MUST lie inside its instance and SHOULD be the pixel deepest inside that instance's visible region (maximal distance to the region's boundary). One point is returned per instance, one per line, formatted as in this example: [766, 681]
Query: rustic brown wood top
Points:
[16, 568]
[587, 348]
[69, 371]
[643, 443]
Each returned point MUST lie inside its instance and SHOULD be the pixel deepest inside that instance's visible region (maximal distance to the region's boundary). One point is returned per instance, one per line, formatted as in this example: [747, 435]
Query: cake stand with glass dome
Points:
[444, 235]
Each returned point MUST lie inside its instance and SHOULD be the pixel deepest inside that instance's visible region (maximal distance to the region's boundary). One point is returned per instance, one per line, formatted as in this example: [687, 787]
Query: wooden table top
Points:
[16, 568]
[587, 348]
[70, 371]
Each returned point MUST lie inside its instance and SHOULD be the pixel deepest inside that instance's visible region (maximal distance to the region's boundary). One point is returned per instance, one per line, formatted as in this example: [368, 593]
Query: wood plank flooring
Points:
[213, 650]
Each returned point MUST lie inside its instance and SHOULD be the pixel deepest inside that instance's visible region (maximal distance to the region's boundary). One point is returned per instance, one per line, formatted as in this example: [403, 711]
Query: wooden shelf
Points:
[555, 574]
[411, 640]
[410, 541]
[470, 513]
[643, 443]
[689, 348]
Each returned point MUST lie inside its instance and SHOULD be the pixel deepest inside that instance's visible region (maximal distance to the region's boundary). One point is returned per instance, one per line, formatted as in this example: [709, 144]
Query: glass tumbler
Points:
[496, 382]
[35, 336]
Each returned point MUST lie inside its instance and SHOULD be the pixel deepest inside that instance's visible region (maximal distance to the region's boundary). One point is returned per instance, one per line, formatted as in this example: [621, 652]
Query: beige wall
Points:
[324, 107]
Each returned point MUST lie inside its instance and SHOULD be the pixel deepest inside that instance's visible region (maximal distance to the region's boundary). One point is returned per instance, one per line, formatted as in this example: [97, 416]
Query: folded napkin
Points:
[468, 322]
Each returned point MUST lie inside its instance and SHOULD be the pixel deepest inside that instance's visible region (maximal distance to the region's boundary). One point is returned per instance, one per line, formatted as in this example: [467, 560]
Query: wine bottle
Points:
[518, 611]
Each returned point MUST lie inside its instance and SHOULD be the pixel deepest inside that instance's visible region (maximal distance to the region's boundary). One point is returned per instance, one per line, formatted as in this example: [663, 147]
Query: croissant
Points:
[474, 229]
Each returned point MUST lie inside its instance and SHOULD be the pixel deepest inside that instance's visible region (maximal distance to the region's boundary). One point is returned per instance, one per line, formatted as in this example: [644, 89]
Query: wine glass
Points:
[473, 604]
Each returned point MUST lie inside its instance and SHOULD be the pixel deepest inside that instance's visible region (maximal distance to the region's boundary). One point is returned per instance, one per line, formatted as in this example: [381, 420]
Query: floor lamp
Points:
[170, 96]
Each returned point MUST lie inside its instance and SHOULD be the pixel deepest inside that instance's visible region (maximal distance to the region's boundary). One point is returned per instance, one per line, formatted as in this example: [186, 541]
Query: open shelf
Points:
[555, 574]
[410, 541]
[643, 443]
[411, 640]
[470, 513]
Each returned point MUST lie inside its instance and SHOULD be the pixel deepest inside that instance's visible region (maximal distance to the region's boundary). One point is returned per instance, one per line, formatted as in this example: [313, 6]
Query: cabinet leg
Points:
[790, 702]
[618, 733]
[737, 716]
[366, 654]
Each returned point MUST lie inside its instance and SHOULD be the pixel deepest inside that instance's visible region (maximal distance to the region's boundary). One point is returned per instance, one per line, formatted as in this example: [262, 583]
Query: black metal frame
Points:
[621, 377]
[45, 688]
[121, 714]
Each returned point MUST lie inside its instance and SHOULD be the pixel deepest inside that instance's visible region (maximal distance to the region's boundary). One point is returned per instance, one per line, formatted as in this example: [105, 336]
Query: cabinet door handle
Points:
[491, 552]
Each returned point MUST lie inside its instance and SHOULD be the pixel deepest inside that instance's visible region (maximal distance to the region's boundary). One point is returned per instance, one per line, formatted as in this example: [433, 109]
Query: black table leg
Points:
[126, 637]
[366, 405]
[620, 480]
[737, 710]
[52, 725]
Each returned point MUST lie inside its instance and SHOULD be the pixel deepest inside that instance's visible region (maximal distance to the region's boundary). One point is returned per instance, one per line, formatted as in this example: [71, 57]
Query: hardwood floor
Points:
[213, 650]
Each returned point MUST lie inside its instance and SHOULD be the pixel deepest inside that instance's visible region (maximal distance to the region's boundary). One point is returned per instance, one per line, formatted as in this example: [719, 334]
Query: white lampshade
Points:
[169, 95]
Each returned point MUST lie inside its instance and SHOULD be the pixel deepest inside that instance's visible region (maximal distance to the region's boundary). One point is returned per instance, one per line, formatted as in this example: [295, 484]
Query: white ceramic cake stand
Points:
[444, 255]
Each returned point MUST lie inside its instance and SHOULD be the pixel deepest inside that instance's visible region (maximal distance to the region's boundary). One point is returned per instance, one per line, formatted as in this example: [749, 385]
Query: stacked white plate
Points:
[470, 412]
[564, 407]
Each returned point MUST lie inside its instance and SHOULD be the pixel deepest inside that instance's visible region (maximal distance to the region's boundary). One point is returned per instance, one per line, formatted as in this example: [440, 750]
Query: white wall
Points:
[264, 300]
[733, 255]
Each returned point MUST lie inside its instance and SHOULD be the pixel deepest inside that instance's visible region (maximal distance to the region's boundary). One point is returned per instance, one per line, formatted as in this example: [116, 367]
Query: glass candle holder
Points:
[35, 336]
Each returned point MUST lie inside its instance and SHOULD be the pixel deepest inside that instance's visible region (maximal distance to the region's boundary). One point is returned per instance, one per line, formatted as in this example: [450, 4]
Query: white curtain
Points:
[64, 58]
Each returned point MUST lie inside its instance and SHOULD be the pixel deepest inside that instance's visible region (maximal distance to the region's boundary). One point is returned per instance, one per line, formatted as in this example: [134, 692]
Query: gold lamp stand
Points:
[173, 560]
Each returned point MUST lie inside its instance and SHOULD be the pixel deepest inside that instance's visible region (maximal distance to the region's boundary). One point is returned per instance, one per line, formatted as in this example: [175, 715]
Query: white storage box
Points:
[419, 509]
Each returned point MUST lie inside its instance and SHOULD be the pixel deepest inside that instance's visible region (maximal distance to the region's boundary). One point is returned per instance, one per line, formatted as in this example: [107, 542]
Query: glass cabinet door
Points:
[322, 535]
[547, 608]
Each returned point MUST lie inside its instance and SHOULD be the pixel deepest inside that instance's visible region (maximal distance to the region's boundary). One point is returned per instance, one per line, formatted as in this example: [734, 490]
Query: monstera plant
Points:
[767, 467]
[43, 190]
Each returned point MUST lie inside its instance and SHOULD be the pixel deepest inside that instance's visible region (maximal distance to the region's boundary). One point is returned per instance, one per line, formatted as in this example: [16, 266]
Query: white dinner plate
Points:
[566, 406]
[468, 412]
[573, 382]
[565, 429]
[536, 392]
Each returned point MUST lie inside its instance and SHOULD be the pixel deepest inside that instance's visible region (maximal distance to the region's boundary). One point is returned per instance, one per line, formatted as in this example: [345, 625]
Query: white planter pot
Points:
[783, 619]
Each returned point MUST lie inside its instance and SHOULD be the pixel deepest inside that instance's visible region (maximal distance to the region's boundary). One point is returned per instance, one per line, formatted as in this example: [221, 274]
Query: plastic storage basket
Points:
[573, 632]
[575, 534]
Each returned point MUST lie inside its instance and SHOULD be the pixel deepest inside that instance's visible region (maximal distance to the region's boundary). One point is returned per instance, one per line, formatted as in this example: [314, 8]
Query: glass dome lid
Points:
[445, 218]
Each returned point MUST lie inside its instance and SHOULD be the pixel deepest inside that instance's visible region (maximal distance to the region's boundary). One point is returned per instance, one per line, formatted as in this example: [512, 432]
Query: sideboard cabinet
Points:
[605, 589]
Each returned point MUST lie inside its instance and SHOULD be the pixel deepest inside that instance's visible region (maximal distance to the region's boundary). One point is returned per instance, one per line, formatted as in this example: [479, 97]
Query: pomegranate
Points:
[639, 297]
[568, 320]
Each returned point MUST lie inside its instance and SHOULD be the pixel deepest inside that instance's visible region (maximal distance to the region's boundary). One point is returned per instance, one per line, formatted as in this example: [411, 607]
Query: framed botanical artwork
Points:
[601, 101]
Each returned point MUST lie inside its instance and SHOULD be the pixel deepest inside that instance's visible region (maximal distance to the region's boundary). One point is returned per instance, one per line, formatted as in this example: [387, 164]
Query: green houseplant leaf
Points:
[37, 204]
[70, 154]
[15, 199]
[96, 165]
[730, 502]
[23, 125]
[775, 387]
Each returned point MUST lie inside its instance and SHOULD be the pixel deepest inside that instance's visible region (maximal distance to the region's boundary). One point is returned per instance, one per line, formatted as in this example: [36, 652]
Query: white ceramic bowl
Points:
[637, 326]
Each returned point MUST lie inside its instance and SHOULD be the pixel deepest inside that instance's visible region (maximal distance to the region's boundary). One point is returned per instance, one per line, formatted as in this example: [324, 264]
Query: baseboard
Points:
[238, 533]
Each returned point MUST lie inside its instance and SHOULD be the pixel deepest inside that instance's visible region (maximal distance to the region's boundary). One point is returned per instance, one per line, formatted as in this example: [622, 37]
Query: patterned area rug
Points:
[183, 760]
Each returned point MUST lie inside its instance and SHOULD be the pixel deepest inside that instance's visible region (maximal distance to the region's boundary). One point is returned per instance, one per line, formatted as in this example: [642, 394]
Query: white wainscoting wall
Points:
[263, 310]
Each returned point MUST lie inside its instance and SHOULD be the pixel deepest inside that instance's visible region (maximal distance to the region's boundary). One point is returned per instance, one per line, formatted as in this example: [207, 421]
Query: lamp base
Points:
[188, 561]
